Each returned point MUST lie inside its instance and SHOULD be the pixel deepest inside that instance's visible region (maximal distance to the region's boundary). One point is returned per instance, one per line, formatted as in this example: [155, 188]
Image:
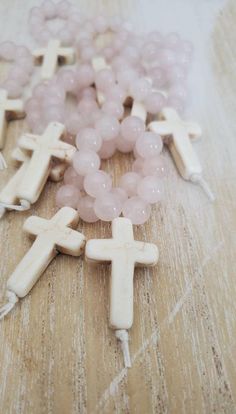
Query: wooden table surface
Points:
[57, 354]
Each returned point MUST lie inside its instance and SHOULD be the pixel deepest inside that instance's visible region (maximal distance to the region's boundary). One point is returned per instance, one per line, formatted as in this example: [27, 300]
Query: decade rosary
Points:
[129, 93]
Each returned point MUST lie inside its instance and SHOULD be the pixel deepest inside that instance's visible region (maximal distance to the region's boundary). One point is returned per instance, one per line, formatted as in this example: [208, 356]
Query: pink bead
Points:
[67, 195]
[178, 91]
[97, 184]
[108, 53]
[149, 145]
[131, 54]
[13, 88]
[55, 89]
[22, 52]
[108, 127]
[167, 57]
[158, 76]
[68, 79]
[108, 207]
[155, 166]
[154, 102]
[54, 114]
[120, 193]
[113, 108]
[49, 9]
[63, 8]
[101, 24]
[116, 93]
[8, 50]
[123, 145]
[87, 53]
[107, 150]
[32, 105]
[176, 103]
[125, 77]
[176, 74]
[88, 92]
[149, 51]
[132, 128]
[88, 139]
[40, 90]
[137, 210]
[74, 122]
[86, 162]
[104, 79]
[137, 166]
[86, 209]
[87, 106]
[26, 64]
[129, 183]
[150, 189]
[140, 88]
[71, 177]
[85, 75]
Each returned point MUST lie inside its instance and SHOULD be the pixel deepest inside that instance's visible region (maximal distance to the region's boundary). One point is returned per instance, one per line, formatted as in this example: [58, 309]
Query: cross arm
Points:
[67, 54]
[71, 242]
[28, 142]
[146, 254]
[15, 105]
[63, 151]
[163, 128]
[99, 250]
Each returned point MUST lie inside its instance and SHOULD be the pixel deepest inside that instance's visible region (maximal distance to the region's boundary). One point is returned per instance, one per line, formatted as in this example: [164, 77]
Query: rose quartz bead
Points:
[88, 139]
[167, 57]
[132, 128]
[32, 105]
[120, 193]
[108, 207]
[176, 103]
[74, 122]
[108, 127]
[125, 77]
[101, 24]
[129, 183]
[7, 50]
[154, 102]
[149, 51]
[150, 189]
[67, 79]
[49, 9]
[55, 89]
[137, 210]
[63, 8]
[179, 91]
[86, 162]
[154, 166]
[85, 75]
[140, 88]
[107, 150]
[131, 54]
[67, 195]
[175, 74]
[113, 108]
[40, 90]
[86, 209]
[123, 145]
[54, 114]
[158, 76]
[88, 92]
[97, 184]
[116, 93]
[104, 79]
[26, 64]
[87, 106]
[87, 53]
[19, 75]
[149, 145]
[71, 177]
[13, 87]
[137, 166]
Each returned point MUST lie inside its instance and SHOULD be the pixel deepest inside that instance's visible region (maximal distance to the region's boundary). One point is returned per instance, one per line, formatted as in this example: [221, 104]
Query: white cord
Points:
[3, 163]
[12, 300]
[123, 336]
[24, 205]
[198, 179]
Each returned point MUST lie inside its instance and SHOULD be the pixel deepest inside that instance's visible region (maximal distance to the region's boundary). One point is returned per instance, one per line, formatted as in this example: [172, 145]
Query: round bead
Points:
[86, 162]
[108, 207]
[84, 75]
[140, 88]
[88, 139]
[154, 102]
[129, 183]
[107, 150]
[104, 79]
[8, 50]
[108, 127]
[150, 189]
[86, 209]
[71, 177]
[67, 195]
[113, 108]
[149, 145]
[123, 145]
[132, 128]
[137, 210]
[116, 93]
[154, 166]
[137, 165]
[97, 184]
[120, 192]
[87, 106]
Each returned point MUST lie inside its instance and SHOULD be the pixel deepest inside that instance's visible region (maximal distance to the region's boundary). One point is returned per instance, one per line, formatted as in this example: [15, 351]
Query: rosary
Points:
[129, 94]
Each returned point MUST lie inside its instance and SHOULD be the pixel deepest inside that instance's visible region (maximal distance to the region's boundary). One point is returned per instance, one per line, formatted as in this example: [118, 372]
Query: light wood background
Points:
[57, 354]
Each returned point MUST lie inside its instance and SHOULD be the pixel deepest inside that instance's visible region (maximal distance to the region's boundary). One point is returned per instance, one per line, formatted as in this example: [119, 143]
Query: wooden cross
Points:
[9, 109]
[177, 134]
[52, 55]
[43, 148]
[124, 253]
[52, 237]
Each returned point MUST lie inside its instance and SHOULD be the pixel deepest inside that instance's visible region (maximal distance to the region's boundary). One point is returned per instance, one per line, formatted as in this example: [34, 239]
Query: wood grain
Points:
[57, 353]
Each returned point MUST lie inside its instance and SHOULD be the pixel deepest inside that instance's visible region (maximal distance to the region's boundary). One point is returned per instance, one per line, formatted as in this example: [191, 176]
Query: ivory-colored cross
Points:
[9, 109]
[52, 237]
[8, 195]
[52, 55]
[124, 253]
[178, 134]
[99, 63]
[43, 148]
